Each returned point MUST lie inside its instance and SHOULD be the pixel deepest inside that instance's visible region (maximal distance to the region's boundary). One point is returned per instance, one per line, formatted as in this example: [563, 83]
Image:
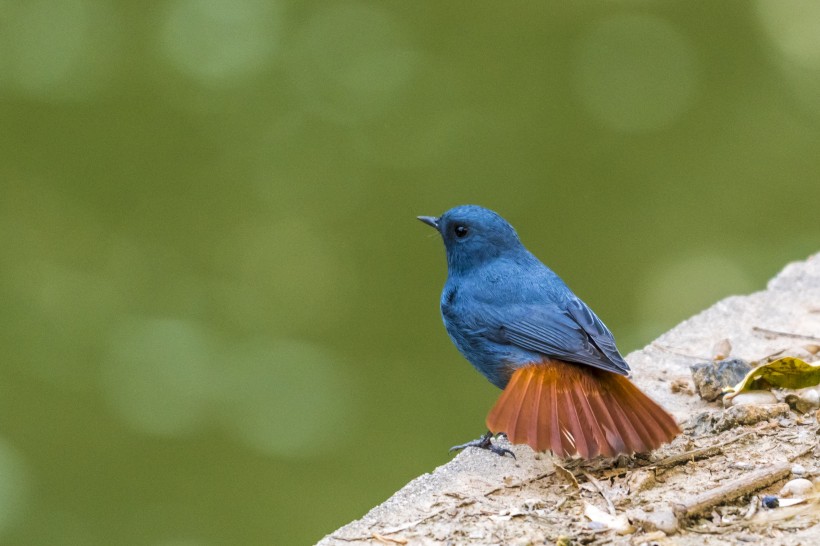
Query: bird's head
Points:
[474, 236]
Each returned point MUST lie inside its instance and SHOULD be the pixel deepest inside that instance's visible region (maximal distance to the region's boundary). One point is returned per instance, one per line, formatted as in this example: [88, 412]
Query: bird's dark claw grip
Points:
[485, 442]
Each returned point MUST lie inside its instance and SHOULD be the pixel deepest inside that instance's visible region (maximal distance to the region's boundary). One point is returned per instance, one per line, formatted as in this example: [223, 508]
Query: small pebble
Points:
[710, 377]
[770, 501]
[664, 520]
[659, 520]
[796, 488]
[811, 397]
[799, 470]
[756, 398]
[803, 401]
[652, 536]
[751, 414]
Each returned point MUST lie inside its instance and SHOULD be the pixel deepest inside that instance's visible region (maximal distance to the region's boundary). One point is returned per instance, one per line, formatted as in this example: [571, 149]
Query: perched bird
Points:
[564, 381]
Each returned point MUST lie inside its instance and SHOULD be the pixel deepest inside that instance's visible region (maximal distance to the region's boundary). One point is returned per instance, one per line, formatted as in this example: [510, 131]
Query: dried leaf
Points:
[791, 502]
[721, 350]
[618, 524]
[567, 476]
[787, 373]
[507, 515]
[389, 540]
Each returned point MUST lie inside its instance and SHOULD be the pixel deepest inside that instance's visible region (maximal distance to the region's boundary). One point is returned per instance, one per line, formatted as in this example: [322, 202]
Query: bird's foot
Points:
[485, 442]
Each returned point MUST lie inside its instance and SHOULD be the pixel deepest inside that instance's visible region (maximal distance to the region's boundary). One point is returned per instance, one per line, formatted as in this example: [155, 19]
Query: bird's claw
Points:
[485, 442]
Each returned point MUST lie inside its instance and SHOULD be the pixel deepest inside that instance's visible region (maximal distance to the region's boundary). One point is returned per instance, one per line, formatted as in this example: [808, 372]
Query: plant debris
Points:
[786, 373]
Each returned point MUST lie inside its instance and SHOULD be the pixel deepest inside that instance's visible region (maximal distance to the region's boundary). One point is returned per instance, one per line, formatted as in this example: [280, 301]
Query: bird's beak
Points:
[430, 221]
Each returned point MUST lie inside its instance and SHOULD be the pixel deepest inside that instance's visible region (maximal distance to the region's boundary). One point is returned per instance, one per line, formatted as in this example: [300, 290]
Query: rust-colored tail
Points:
[569, 409]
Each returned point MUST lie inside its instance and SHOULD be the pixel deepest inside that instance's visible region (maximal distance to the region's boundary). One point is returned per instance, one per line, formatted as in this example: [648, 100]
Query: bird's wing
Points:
[568, 332]
[597, 331]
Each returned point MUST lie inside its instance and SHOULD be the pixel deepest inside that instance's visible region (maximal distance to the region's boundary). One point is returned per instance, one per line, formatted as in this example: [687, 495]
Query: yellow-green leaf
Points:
[785, 373]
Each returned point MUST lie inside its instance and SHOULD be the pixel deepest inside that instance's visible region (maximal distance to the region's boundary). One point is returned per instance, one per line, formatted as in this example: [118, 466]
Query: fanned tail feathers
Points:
[568, 409]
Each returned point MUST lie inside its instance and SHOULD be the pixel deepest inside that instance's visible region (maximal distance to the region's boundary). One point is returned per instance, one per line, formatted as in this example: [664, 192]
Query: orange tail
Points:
[569, 409]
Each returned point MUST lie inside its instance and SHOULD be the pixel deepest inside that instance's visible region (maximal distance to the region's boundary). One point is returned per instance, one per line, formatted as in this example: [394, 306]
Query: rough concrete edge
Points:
[654, 366]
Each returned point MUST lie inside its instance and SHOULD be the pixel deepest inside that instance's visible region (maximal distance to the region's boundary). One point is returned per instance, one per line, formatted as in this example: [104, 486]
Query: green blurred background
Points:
[219, 315]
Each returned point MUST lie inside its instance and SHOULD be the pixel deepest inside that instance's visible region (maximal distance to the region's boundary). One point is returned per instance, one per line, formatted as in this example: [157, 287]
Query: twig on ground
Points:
[731, 490]
[566, 475]
[412, 524]
[597, 485]
[752, 509]
[784, 334]
[805, 451]
[520, 484]
[389, 540]
[697, 454]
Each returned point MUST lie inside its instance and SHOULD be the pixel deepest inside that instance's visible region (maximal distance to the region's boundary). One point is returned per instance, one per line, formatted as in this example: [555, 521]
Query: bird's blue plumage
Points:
[503, 308]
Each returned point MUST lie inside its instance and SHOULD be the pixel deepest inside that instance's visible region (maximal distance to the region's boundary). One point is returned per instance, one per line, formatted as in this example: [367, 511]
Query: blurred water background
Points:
[219, 315]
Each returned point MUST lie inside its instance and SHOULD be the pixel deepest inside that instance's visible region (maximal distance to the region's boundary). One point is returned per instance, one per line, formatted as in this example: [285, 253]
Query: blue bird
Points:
[564, 381]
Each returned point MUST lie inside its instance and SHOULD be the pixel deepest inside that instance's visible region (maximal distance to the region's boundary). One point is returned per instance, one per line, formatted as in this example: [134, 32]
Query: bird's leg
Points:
[485, 442]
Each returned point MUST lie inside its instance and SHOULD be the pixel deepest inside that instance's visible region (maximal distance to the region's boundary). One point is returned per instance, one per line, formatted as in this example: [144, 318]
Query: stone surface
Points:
[480, 498]
[710, 378]
[798, 487]
[750, 414]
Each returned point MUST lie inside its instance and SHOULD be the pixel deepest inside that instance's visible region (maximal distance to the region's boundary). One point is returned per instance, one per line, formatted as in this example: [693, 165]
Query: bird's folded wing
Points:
[571, 332]
[597, 331]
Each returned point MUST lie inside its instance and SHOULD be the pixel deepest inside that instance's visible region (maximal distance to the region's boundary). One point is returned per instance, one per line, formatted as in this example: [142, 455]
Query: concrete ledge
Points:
[480, 498]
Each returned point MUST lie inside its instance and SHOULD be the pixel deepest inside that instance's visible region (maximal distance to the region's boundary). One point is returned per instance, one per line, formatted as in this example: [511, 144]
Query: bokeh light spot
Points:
[635, 73]
[287, 398]
[57, 49]
[794, 28]
[219, 41]
[158, 375]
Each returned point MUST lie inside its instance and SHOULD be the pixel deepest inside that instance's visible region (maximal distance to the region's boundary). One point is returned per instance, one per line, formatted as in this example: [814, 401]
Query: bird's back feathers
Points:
[517, 312]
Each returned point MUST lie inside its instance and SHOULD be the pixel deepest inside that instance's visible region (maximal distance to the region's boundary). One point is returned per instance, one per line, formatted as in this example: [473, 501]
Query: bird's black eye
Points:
[461, 231]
